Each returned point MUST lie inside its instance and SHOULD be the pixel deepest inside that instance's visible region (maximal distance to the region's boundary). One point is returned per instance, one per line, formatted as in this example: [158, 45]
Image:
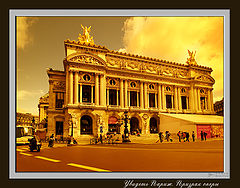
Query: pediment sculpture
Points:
[191, 60]
[86, 36]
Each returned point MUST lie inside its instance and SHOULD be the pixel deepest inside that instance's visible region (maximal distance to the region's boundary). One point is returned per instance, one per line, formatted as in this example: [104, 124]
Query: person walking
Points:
[201, 136]
[193, 136]
[179, 136]
[160, 137]
[187, 136]
[205, 135]
[184, 136]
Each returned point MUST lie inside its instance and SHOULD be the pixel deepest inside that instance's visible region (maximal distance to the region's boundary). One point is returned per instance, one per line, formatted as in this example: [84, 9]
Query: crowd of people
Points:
[182, 135]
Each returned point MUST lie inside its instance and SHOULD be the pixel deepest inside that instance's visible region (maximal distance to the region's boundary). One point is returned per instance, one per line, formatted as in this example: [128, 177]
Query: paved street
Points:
[164, 157]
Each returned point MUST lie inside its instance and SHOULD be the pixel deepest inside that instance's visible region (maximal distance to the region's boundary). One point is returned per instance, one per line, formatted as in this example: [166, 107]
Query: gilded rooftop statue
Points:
[86, 36]
[191, 60]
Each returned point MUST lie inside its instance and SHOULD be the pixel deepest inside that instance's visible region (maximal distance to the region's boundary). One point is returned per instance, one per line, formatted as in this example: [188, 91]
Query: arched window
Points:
[133, 84]
[86, 125]
[112, 82]
[86, 77]
[151, 86]
[153, 125]
[134, 126]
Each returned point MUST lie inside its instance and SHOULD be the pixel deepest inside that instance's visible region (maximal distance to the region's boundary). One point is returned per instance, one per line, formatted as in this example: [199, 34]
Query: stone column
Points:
[117, 97]
[195, 99]
[141, 95]
[192, 98]
[121, 94]
[107, 97]
[145, 95]
[137, 99]
[175, 99]
[211, 94]
[159, 97]
[71, 88]
[126, 94]
[96, 90]
[179, 99]
[80, 91]
[163, 98]
[156, 100]
[198, 99]
[92, 94]
[129, 99]
[76, 88]
[209, 100]
[67, 88]
[103, 90]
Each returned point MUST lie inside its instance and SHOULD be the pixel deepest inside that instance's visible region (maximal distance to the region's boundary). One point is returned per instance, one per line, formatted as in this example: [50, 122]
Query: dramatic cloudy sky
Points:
[40, 45]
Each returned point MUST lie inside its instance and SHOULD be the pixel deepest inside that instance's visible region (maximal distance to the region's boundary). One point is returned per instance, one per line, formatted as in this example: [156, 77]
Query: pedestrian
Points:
[205, 135]
[167, 136]
[201, 136]
[101, 138]
[160, 137]
[179, 136]
[187, 136]
[193, 136]
[184, 136]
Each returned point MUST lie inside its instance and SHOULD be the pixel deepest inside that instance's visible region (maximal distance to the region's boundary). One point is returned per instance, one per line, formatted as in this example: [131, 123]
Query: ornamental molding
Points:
[205, 78]
[148, 67]
[59, 85]
[86, 59]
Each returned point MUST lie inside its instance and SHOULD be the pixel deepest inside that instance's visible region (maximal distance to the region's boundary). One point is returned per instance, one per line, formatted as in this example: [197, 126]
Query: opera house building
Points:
[98, 85]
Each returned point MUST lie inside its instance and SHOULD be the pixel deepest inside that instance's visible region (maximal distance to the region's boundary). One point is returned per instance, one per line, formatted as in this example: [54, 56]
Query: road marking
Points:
[88, 167]
[19, 150]
[48, 159]
[26, 154]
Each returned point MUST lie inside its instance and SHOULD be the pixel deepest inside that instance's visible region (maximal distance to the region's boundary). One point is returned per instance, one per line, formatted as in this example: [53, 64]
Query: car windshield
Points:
[24, 131]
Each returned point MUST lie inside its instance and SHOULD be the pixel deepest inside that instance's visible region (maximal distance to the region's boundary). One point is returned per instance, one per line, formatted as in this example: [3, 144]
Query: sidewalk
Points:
[134, 140]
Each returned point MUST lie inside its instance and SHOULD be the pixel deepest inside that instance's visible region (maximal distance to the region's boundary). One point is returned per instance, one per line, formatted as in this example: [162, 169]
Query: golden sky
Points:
[40, 45]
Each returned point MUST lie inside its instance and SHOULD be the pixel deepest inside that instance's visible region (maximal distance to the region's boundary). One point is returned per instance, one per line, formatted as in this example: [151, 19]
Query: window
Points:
[86, 93]
[152, 100]
[86, 77]
[112, 82]
[184, 102]
[133, 98]
[202, 101]
[59, 128]
[168, 101]
[112, 97]
[202, 91]
[168, 88]
[151, 86]
[183, 90]
[133, 84]
[59, 100]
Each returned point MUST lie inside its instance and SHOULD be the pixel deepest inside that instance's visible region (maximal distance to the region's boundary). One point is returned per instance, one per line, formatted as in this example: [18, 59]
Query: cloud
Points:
[24, 37]
[27, 95]
[169, 38]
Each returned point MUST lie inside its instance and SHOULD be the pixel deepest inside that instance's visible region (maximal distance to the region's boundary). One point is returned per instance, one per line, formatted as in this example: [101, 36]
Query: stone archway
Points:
[113, 125]
[86, 124]
[134, 125]
[153, 125]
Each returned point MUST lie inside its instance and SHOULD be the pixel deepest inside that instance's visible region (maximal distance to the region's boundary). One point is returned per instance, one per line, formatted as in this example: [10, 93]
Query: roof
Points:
[198, 119]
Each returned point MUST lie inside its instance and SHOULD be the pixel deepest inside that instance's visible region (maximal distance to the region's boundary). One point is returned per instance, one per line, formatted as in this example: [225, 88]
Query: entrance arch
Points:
[86, 125]
[153, 125]
[113, 125]
[134, 125]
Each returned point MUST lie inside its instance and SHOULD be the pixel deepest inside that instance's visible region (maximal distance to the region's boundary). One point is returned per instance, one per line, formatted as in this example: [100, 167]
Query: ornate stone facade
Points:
[98, 83]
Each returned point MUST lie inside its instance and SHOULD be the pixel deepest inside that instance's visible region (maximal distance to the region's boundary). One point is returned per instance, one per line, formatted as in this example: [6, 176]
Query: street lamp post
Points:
[126, 133]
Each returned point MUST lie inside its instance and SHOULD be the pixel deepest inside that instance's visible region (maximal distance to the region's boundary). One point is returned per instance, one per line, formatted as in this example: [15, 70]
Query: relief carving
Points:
[59, 85]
